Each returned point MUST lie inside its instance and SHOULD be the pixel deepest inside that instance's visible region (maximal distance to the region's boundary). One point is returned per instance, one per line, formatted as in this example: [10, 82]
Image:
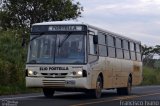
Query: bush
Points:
[12, 58]
[12, 63]
[151, 76]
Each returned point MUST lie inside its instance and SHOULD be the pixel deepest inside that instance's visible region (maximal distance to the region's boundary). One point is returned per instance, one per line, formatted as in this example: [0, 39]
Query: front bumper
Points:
[41, 82]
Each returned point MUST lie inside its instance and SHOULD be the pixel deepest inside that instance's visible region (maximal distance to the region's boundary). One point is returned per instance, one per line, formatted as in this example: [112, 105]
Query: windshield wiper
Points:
[37, 36]
[66, 37]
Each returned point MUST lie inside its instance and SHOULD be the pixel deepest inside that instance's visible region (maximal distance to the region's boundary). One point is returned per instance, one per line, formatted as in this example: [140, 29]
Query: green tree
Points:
[157, 49]
[149, 53]
[23, 13]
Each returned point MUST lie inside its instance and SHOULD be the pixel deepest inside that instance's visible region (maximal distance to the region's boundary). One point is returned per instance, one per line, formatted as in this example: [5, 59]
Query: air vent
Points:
[54, 83]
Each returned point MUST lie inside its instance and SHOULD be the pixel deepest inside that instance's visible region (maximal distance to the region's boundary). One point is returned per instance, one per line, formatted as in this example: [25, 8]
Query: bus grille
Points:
[54, 75]
[54, 83]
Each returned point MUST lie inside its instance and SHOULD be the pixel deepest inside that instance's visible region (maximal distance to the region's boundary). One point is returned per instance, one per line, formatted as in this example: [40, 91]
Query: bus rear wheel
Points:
[48, 92]
[126, 90]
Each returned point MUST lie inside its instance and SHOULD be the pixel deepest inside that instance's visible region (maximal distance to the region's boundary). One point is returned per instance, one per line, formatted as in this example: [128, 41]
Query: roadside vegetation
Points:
[151, 76]
[151, 62]
[12, 63]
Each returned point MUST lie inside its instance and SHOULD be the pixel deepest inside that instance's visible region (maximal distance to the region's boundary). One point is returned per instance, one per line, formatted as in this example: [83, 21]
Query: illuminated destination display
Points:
[65, 28]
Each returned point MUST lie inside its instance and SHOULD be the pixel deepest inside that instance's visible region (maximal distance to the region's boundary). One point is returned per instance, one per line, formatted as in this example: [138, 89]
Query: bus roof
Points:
[60, 23]
[91, 26]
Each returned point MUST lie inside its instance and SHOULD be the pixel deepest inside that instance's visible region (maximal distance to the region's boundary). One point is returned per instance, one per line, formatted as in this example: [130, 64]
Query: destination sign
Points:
[65, 28]
[56, 28]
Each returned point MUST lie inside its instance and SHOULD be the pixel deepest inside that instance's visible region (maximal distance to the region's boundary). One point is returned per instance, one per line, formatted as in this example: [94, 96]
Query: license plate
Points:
[70, 83]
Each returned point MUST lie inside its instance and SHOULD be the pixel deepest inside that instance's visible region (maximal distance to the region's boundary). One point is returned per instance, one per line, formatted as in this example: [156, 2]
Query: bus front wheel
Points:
[96, 93]
[48, 92]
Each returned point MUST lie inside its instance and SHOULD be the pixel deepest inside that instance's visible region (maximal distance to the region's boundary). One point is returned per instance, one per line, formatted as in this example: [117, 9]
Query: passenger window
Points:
[118, 43]
[132, 46]
[119, 53]
[133, 56]
[102, 50]
[92, 46]
[111, 52]
[111, 41]
[138, 48]
[139, 57]
[138, 54]
[102, 39]
[126, 54]
[125, 45]
[132, 51]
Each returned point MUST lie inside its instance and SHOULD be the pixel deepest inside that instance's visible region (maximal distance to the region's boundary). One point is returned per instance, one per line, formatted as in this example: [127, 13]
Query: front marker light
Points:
[74, 72]
[79, 72]
[30, 72]
[35, 73]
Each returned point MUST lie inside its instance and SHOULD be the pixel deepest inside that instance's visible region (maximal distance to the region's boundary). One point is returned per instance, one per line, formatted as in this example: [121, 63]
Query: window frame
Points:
[125, 41]
[100, 44]
[111, 46]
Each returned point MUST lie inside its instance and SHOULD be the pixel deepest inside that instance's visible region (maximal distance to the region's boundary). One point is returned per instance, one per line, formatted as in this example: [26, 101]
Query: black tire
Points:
[96, 93]
[48, 92]
[126, 90]
[120, 91]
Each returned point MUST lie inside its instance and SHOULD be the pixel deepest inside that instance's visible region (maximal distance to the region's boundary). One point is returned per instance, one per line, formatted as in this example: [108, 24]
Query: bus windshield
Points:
[57, 49]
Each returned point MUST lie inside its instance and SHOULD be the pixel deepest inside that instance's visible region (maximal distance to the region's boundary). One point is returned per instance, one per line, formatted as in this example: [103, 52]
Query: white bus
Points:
[71, 56]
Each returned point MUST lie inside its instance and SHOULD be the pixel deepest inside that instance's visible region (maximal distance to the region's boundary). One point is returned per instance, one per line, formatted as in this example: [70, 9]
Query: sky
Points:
[137, 19]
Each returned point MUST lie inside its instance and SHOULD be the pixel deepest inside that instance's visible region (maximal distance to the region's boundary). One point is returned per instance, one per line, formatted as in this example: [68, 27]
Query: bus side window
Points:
[111, 46]
[138, 48]
[138, 54]
[102, 44]
[101, 38]
[92, 46]
[132, 51]
[119, 50]
[126, 49]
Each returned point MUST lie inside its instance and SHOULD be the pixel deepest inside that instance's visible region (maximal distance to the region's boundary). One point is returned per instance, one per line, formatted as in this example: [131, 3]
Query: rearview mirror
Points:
[95, 39]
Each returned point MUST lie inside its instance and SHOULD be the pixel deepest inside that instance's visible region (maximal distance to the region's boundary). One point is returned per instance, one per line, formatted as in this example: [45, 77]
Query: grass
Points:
[17, 89]
[151, 76]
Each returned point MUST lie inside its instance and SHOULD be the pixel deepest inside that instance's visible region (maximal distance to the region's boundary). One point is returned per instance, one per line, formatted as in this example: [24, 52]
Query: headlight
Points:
[30, 72]
[79, 72]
